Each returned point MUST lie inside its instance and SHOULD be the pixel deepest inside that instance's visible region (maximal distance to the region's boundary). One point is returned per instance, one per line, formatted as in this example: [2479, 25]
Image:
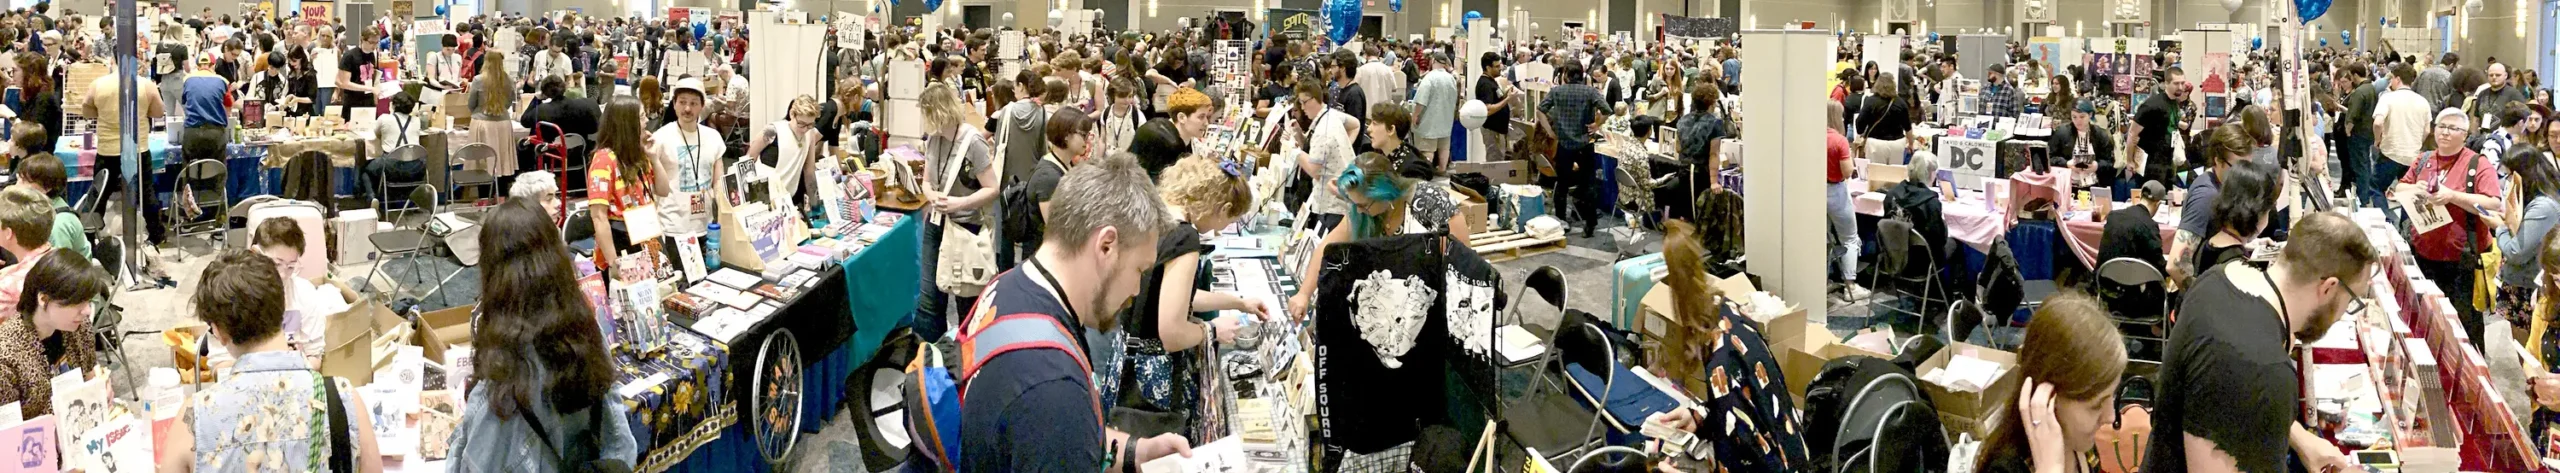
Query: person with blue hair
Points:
[1382, 191]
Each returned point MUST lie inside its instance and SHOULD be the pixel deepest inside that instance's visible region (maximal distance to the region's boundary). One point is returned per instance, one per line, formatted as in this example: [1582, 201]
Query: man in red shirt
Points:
[1837, 167]
[2455, 181]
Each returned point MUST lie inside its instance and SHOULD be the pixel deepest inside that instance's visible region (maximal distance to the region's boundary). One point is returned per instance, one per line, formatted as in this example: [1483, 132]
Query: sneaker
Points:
[1855, 292]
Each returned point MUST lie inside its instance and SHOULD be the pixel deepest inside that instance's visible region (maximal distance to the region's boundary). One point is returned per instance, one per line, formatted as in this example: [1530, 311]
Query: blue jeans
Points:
[320, 104]
[932, 305]
[1844, 229]
[2356, 163]
[2385, 173]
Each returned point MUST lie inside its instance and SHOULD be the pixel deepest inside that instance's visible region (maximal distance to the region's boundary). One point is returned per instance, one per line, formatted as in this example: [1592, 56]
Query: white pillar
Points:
[1784, 215]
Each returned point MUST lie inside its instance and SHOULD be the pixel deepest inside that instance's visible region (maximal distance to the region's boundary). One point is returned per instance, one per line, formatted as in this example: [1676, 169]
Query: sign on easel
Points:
[1969, 159]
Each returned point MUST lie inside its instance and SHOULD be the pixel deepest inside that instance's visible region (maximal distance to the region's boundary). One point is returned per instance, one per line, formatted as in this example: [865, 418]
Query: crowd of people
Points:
[1088, 176]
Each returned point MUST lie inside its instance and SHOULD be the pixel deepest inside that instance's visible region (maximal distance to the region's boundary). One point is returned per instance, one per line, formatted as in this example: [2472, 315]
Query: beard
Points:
[2324, 317]
[1105, 318]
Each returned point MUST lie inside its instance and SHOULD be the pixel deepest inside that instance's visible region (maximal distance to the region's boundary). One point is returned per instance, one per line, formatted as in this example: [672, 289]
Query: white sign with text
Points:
[1971, 160]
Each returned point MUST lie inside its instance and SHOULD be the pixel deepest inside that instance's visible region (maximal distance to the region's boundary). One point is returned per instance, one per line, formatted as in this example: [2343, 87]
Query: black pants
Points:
[1577, 190]
[2456, 280]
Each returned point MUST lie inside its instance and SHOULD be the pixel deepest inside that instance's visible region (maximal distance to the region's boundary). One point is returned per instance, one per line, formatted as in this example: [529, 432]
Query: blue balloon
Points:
[1343, 17]
[1472, 16]
[1933, 36]
[932, 5]
[2256, 43]
[2310, 9]
[440, 10]
[1395, 6]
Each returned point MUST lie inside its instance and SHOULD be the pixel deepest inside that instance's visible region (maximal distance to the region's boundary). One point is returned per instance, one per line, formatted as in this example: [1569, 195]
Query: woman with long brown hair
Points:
[1750, 428]
[43, 103]
[620, 177]
[493, 101]
[2068, 370]
[541, 382]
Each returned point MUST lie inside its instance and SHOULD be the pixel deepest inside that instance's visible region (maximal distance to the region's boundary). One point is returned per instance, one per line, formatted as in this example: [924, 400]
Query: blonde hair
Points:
[26, 214]
[1067, 62]
[942, 109]
[804, 106]
[1200, 188]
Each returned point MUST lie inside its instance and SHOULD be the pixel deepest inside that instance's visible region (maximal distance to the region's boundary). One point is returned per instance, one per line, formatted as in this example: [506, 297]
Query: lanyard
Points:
[1055, 290]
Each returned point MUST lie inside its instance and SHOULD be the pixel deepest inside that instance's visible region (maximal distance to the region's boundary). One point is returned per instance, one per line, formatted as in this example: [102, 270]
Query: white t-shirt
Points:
[2403, 116]
[692, 162]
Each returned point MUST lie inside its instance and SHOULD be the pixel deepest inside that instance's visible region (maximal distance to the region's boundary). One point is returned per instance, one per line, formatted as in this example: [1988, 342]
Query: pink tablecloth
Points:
[1969, 220]
[2083, 236]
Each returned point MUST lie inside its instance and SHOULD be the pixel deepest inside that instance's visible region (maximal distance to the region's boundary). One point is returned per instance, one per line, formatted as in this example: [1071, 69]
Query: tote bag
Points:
[967, 258]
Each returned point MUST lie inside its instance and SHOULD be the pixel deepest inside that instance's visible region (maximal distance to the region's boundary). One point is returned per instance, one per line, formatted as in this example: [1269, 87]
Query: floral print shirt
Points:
[268, 416]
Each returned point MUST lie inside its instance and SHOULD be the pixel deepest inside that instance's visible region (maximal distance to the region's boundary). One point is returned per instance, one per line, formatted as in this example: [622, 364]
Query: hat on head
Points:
[686, 84]
[2153, 190]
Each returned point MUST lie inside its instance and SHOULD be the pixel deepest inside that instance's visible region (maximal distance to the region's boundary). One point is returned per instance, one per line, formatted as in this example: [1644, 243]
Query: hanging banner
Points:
[1696, 27]
[1291, 23]
[316, 13]
[679, 14]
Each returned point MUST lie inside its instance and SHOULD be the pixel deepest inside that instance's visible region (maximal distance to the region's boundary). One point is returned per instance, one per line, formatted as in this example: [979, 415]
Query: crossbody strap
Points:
[541, 434]
[342, 455]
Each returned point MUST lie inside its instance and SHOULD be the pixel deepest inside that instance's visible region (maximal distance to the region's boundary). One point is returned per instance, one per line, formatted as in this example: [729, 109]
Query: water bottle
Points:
[711, 250]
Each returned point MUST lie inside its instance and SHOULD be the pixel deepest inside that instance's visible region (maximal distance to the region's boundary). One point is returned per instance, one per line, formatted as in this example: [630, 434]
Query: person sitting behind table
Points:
[267, 407]
[311, 300]
[1737, 367]
[2069, 368]
[28, 225]
[44, 174]
[35, 348]
[540, 186]
[1916, 199]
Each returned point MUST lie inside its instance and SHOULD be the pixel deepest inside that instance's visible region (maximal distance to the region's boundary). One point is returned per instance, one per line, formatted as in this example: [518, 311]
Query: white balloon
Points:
[1057, 17]
[2232, 5]
[2474, 6]
[1008, 18]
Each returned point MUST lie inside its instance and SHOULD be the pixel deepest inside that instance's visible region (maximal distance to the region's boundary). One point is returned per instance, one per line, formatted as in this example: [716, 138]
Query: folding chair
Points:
[2132, 289]
[479, 154]
[407, 241]
[203, 187]
[1907, 268]
[386, 187]
[573, 173]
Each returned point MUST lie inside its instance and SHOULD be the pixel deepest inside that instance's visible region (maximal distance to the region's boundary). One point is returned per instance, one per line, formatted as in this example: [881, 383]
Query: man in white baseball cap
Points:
[688, 155]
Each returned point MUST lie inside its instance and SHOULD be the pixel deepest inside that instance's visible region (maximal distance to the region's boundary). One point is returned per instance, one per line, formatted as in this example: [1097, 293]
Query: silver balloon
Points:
[1008, 18]
[2231, 5]
[1057, 17]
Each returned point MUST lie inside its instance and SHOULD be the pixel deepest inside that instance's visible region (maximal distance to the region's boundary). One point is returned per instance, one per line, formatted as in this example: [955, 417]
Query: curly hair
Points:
[1188, 100]
[1202, 189]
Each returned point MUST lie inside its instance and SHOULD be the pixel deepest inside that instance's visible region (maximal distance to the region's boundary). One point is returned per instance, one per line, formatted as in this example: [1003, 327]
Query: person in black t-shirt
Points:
[1497, 108]
[2230, 394]
[2156, 125]
[353, 88]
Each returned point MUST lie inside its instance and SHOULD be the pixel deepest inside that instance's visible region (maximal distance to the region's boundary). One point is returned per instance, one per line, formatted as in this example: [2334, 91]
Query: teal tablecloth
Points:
[881, 283]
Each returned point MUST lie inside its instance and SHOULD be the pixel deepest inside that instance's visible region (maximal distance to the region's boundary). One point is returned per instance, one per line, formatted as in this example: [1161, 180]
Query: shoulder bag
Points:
[966, 261]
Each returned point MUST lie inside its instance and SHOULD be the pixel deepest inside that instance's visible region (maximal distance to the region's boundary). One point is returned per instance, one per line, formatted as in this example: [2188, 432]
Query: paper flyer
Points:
[32, 445]
[121, 444]
[82, 405]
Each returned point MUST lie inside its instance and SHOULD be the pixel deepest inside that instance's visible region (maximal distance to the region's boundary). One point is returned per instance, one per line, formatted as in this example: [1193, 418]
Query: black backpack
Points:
[584, 457]
[1867, 414]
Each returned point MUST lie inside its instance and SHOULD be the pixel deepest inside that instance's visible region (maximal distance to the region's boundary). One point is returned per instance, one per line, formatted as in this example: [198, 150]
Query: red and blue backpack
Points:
[936, 391]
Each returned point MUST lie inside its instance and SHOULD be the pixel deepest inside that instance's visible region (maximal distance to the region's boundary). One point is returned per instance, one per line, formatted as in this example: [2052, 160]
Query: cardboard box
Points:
[1471, 214]
[1967, 405]
[354, 346]
[443, 330]
[1515, 171]
[1881, 176]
